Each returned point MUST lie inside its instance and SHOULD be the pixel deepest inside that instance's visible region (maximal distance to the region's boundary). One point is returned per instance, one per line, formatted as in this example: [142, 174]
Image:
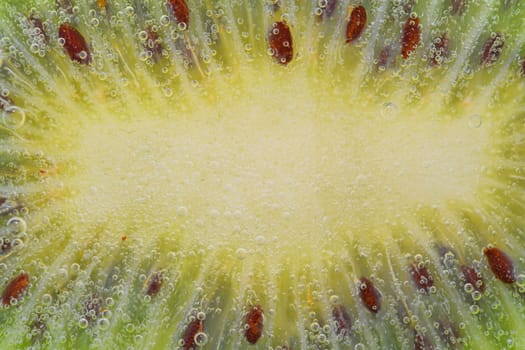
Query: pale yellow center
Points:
[275, 166]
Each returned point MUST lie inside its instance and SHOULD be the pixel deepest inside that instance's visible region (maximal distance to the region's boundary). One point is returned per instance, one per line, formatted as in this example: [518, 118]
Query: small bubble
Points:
[334, 299]
[327, 328]
[241, 253]
[129, 11]
[143, 35]
[520, 280]
[182, 211]
[164, 20]
[321, 338]
[16, 225]
[389, 110]
[474, 121]
[130, 328]
[474, 309]
[103, 323]
[13, 117]
[47, 299]
[83, 323]
[200, 338]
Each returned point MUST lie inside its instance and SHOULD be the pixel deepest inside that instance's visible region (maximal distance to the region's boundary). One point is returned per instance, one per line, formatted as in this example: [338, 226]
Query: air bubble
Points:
[17, 242]
[16, 225]
[389, 110]
[315, 327]
[474, 121]
[34, 48]
[13, 117]
[103, 323]
[321, 338]
[334, 299]
[164, 20]
[130, 328]
[520, 280]
[47, 299]
[182, 211]
[130, 11]
[83, 323]
[200, 339]
[241, 253]
[143, 35]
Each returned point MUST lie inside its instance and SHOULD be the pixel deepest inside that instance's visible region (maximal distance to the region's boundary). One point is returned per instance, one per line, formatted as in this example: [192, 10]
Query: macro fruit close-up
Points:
[262, 174]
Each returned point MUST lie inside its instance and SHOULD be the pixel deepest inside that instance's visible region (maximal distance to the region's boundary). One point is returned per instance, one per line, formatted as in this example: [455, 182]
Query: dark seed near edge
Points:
[471, 276]
[384, 60]
[329, 9]
[74, 43]
[280, 40]
[500, 264]
[410, 37]
[66, 5]
[458, 6]
[153, 45]
[153, 283]
[449, 334]
[492, 49]
[192, 329]
[421, 276]
[370, 295]
[356, 23]
[93, 307]
[180, 11]
[37, 23]
[15, 288]
[342, 320]
[422, 342]
[440, 50]
[254, 324]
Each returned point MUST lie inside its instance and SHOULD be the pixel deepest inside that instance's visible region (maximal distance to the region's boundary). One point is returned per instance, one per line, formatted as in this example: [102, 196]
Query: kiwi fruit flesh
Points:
[272, 174]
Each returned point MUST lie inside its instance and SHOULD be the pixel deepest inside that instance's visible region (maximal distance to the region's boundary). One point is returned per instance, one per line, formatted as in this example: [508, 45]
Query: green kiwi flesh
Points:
[276, 174]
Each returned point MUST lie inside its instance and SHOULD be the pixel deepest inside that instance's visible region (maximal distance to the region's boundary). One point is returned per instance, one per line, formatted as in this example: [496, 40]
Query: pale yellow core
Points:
[275, 166]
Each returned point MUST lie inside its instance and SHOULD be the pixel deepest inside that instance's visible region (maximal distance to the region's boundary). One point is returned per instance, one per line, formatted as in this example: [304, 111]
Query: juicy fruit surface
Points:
[170, 169]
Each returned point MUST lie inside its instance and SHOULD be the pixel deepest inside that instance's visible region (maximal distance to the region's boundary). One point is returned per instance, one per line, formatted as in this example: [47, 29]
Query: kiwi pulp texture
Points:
[324, 174]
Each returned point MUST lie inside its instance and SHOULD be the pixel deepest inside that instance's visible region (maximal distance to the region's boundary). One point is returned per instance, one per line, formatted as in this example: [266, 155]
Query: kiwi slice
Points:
[270, 174]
